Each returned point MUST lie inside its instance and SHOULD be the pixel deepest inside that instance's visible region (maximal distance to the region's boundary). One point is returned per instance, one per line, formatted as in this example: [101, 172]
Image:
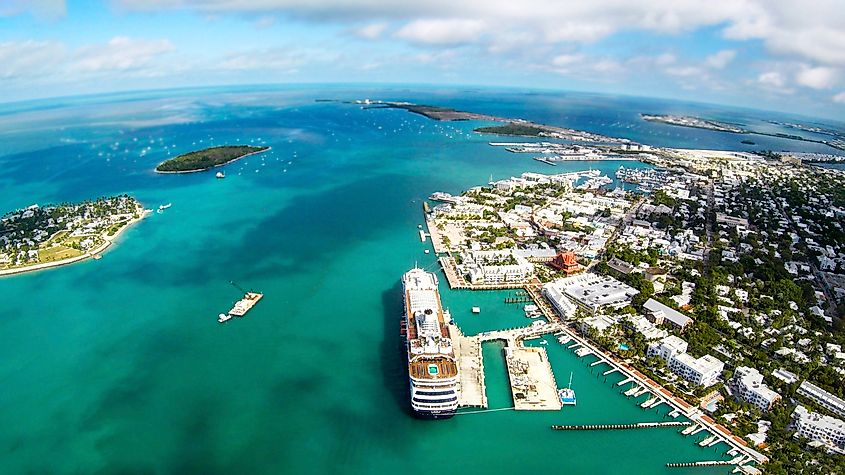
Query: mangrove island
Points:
[201, 160]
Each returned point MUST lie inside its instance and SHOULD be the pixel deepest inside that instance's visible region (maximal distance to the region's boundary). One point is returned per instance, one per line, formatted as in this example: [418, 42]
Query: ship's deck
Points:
[412, 323]
[433, 369]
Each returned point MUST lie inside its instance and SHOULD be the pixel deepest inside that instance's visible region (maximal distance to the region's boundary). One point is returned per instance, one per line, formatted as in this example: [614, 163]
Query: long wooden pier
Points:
[638, 425]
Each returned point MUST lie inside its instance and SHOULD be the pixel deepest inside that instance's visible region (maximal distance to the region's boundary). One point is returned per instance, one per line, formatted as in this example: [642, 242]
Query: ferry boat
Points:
[432, 366]
[567, 394]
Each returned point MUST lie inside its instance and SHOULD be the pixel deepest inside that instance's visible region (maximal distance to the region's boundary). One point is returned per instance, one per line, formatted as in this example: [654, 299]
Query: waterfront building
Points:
[704, 371]
[561, 303]
[599, 323]
[495, 267]
[595, 291]
[822, 398]
[667, 348]
[818, 427]
[747, 385]
[659, 314]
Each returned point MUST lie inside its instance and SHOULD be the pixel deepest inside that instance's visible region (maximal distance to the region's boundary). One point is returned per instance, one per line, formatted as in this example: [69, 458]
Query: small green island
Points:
[201, 160]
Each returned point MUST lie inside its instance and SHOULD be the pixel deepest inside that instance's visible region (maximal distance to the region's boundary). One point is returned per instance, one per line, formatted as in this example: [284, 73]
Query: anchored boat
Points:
[242, 306]
[567, 394]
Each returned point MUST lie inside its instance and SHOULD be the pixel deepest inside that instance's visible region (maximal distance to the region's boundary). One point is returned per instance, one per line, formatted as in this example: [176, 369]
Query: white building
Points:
[561, 303]
[646, 328]
[667, 348]
[496, 267]
[659, 314]
[595, 291]
[704, 371]
[747, 384]
[822, 398]
[815, 426]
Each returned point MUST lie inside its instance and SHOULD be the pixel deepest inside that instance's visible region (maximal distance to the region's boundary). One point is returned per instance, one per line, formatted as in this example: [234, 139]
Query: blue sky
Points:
[775, 54]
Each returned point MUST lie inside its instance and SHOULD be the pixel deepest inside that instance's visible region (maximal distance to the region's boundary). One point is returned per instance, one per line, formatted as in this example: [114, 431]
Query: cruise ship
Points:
[432, 367]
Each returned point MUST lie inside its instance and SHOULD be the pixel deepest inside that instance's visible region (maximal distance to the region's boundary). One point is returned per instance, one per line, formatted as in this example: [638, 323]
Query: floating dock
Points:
[245, 304]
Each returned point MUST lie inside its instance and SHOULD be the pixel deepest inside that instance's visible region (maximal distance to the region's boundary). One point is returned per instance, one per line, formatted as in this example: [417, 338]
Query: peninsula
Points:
[715, 288]
[201, 160]
[42, 237]
[518, 127]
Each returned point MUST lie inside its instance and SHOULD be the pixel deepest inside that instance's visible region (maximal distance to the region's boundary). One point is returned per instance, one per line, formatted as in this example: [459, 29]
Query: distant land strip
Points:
[516, 127]
[699, 123]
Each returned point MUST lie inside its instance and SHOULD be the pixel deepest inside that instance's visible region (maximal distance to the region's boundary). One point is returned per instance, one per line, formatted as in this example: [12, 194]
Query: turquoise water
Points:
[119, 365]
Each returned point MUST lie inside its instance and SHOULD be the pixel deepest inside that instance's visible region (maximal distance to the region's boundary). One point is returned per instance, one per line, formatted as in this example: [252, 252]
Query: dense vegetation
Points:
[512, 129]
[207, 158]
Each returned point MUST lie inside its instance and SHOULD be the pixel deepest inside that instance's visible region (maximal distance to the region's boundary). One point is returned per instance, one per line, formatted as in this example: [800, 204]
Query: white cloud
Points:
[721, 59]
[371, 31]
[816, 78]
[684, 71]
[839, 98]
[29, 58]
[807, 31]
[813, 33]
[265, 21]
[441, 32]
[287, 60]
[566, 60]
[43, 9]
[772, 79]
[120, 54]
[665, 59]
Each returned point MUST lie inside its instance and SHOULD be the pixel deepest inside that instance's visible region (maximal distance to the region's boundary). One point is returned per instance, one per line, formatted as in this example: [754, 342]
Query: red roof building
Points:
[566, 262]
